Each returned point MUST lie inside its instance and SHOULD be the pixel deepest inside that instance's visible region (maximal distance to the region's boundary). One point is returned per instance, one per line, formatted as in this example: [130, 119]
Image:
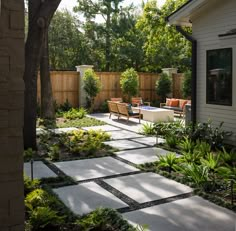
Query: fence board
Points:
[65, 86]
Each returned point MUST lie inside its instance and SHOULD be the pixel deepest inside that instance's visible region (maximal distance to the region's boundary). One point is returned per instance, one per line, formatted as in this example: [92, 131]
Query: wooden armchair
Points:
[124, 111]
[113, 109]
[137, 101]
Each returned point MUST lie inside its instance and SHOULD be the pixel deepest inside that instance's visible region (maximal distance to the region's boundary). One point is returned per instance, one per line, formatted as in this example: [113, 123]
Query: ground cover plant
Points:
[44, 211]
[205, 163]
[73, 145]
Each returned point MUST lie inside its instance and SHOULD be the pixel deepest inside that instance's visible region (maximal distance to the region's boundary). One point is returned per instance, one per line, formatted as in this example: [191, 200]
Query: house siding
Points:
[207, 25]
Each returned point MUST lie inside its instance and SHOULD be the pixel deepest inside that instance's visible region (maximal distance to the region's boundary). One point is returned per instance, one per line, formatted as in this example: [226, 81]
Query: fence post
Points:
[82, 95]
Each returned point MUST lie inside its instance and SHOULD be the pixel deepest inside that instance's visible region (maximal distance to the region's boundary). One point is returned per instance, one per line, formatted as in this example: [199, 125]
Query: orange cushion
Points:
[168, 101]
[174, 102]
[182, 103]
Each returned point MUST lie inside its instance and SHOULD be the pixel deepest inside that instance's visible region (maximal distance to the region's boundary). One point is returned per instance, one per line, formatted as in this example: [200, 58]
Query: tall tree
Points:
[40, 15]
[164, 46]
[47, 105]
[105, 8]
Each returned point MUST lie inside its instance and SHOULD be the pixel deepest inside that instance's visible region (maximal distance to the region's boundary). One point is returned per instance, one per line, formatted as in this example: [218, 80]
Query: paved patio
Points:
[141, 198]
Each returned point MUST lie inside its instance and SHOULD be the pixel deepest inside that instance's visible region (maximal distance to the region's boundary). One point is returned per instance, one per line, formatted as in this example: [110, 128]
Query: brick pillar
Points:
[82, 94]
[11, 114]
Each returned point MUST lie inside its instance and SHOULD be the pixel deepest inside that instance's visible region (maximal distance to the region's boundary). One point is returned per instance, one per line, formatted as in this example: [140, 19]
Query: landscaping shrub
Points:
[129, 83]
[147, 129]
[163, 86]
[75, 113]
[30, 185]
[28, 154]
[92, 86]
[168, 161]
[186, 87]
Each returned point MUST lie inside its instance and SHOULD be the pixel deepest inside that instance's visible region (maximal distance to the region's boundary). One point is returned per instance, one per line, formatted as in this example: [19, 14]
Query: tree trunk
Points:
[40, 15]
[47, 107]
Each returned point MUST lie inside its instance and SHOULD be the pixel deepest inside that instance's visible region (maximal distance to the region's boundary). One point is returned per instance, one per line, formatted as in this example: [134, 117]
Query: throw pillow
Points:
[168, 101]
[174, 103]
[182, 103]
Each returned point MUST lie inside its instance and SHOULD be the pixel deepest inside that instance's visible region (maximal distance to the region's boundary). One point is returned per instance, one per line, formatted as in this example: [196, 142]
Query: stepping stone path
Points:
[84, 198]
[124, 144]
[94, 168]
[142, 198]
[190, 214]
[105, 128]
[141, 156]
[40, 170]
[146, 187]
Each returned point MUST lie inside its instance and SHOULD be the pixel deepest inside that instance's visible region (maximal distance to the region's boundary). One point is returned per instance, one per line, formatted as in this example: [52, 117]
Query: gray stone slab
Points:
[84, 198]
[40, 131]
[147, 187]
[116, 135]
[94, 168]
[63, 130]
[124, 144]
[139, 156]
[104, 128]
[40, 170]
[190, 214]
[147, 140]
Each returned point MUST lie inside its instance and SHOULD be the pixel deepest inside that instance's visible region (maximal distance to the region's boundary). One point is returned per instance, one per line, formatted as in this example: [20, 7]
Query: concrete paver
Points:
[84, 198]
[104, 128]
[190, 214]
[124, 144]
[40, 170]
[63, 130]
[146, 187]
[143, 155]
[122, 134]
[94, 168]
[147, 140]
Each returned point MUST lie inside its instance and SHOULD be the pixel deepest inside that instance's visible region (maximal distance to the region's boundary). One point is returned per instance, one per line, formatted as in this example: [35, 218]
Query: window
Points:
[219, 76]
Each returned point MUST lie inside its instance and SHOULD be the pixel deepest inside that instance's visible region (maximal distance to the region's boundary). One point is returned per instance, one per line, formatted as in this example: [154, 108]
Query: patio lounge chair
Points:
[137, 101]
[113, 109]
[126, 111]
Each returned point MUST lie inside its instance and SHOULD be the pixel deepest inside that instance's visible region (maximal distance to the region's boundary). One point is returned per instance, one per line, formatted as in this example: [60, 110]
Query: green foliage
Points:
[228, 158]
[54, 152]
[75, 113]
[78, 123]
[92, 86]
[30, 185]
[168, 161]
[60, 109]
[214, 135]
[104, 107]
[172, 141]
[187, 145]
[163, 46]
[197, 174]
[104, 219]
[203, 147]
[66, 42]
[211, 161]
[163, 86]
[186, 88]
[129, 82]
[42, 217]
[148, 129]
[28, 154]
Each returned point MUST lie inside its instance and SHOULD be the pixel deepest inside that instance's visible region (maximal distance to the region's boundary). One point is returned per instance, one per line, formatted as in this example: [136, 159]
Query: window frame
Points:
[207, 82]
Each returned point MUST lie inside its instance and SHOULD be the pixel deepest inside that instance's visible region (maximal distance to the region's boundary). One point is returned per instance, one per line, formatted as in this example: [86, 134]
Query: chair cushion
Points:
[182, 103]
[173, 108]
[168, 101]
[129, 108]
[133, 114]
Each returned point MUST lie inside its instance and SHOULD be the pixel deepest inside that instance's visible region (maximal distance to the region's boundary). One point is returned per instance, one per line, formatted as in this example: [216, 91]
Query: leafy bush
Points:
[30, 185]
[168, 161]
[42, 217]
[129, 83]
[104, 107]
[186, 87]
[187, 145]
[28, 154]
[172, 141]
[92, 86]
[148, 129]
[75, 113]
[163, 86]
[54, 152]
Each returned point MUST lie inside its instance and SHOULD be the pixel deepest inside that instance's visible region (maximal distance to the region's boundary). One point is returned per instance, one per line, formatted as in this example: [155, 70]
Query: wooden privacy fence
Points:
[65, 86]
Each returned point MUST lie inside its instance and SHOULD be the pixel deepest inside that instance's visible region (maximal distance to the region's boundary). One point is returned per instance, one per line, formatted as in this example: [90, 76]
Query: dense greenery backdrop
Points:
[126, 37]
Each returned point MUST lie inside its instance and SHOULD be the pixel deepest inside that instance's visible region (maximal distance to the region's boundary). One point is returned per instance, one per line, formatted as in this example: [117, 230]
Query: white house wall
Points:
[207, 25]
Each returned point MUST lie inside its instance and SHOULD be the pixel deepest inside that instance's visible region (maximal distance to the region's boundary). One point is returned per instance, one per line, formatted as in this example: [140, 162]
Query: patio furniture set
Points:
[139, 109]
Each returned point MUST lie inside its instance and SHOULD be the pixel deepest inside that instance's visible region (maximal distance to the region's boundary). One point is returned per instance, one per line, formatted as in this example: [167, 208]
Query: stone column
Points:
[82, 94]
[11, 114]
[170, 71]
